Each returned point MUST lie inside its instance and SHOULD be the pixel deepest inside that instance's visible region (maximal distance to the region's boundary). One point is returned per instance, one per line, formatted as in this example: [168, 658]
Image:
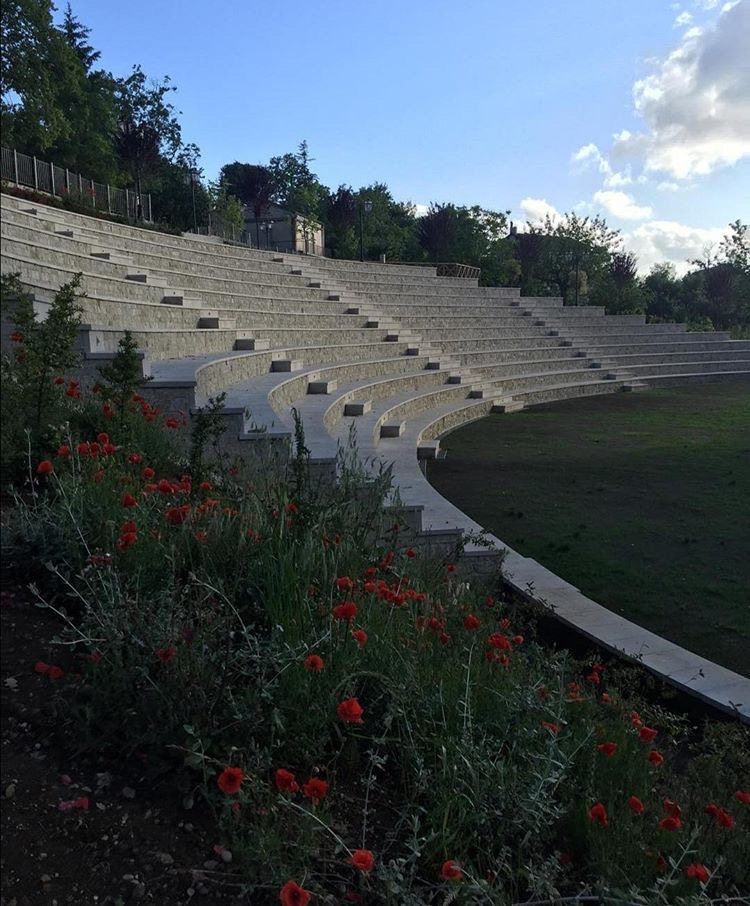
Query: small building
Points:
[284, 231]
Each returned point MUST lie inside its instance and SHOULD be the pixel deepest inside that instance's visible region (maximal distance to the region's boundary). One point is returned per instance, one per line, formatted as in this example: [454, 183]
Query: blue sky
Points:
[483, 102]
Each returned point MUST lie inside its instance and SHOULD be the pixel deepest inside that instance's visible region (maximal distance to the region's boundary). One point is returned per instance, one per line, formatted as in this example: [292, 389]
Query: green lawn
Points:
[642, 500]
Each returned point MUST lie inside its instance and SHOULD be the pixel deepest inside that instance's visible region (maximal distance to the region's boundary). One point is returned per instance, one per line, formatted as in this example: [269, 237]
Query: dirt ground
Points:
[132, 844]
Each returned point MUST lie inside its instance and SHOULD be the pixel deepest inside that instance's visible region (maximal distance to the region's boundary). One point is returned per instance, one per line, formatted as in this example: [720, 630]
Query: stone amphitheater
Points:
[395, 351]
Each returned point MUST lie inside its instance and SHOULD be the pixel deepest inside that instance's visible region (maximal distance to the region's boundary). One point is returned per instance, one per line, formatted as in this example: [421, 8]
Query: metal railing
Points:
[447, 268]
[42, 176]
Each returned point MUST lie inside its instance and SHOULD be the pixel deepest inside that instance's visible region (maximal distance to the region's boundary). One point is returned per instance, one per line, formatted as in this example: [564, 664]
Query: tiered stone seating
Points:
[394, 352]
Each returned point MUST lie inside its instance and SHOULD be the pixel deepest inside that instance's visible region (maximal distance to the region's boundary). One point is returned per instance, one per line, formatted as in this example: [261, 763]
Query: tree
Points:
[619, 289]
[253, 185]
[662, 291]
[573, 244]
[529, 249]
[436, 229]
[340, 215]
[35, 62]
[76, 35]
[137, 145]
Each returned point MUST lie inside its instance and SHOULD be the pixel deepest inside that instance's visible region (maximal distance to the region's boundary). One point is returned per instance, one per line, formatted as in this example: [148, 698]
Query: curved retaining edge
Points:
[689, 672]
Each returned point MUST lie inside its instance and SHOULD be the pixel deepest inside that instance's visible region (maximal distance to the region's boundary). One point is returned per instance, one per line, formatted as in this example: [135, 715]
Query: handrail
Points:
[446, 268]
[42, 176]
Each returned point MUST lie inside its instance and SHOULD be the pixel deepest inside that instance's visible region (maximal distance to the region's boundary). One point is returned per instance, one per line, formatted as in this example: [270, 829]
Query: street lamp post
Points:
[364, 208]
[192, 193]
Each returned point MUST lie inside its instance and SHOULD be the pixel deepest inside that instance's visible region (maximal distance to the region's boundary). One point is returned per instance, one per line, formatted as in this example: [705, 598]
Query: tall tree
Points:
[253, 184]
[34, 60]
[575, 245]
[77, 37]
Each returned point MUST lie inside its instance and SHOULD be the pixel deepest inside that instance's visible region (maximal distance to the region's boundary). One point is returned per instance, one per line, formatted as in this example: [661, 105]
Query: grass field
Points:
[642, 500]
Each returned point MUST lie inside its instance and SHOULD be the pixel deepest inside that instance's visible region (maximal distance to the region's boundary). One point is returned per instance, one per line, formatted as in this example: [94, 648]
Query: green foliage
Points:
[44, 350]
[207, 427]
[122, 378]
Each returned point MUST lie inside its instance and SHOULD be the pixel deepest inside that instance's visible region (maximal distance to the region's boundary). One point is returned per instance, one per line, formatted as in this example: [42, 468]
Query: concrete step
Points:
[428, 449]
[357, 407]
[215, 322]
[248, 341]
[322, 387]
[507, 405]
[286, 364]
[392, 429]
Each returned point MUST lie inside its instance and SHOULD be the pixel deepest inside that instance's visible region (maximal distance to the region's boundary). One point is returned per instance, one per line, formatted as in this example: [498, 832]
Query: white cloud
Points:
[667, 240]
[683, 19]
[535, 209]
[590, 154]
[667, 186]
[421, 209]
[696, 105]
[622, 205]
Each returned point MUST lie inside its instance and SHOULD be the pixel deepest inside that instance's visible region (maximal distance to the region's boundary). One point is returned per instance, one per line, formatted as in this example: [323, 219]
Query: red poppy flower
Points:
[315, 789]
[661, 863]
[598, 812]
[656, 758]
[742, 796]
[59, 381]
[206, 486]
[126, 540]
[230, 780]
[176, 515]
[128, 501]
[107, 411]
[411, 553]
[291, 894]
[166, 655]
[363, 860]
[647, 734]
[103, 437]
[45, 467]
[608, 748]
[387, 560]
[517, 640]
[285, 781]
[499, 641]
[636, 805]
[314, 663]
[148, 473]
[670, 823]
[64, 451]
[360, 636]
[471, 622]
[697, 871]
[346, 611]
[344, 582]
[724, 818]
[671, 808]
[564, 858]
[350, 711]
[445, 639]
[711, 809]
[553, 728]
[450, 871]
[201, 537]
